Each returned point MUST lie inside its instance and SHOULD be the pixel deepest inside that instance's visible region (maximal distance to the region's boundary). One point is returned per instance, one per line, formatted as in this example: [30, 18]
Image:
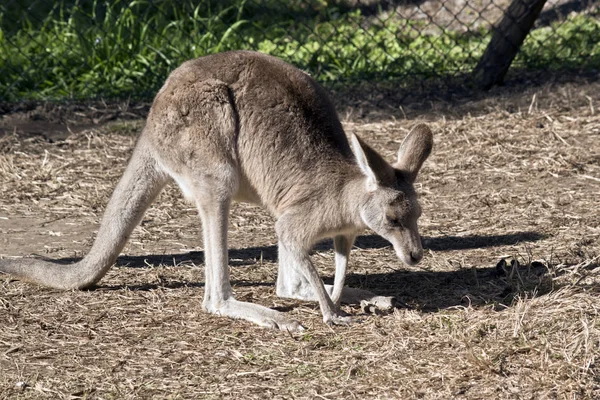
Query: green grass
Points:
[125, 48]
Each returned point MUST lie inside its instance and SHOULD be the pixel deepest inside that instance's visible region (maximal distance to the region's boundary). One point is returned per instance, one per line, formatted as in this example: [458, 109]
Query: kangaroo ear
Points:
[414, 150]
[359, 148]
[372, 165]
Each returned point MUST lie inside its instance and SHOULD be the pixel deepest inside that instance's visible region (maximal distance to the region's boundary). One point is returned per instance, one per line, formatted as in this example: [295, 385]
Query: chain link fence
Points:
[124, 49]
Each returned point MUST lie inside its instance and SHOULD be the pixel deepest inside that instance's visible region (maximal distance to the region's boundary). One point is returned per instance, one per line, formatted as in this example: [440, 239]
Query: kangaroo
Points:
[244, 126]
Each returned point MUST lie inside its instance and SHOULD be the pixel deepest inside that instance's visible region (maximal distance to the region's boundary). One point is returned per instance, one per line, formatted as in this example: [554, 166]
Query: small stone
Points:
[369, 308]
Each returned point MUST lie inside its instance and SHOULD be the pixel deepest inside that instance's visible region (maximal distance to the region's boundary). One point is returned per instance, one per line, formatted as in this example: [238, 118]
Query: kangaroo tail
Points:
[141, 183]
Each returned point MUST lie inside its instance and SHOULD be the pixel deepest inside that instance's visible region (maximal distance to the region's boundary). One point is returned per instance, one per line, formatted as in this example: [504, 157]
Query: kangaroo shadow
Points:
[431, 291]
[425, 290]
[252, 255]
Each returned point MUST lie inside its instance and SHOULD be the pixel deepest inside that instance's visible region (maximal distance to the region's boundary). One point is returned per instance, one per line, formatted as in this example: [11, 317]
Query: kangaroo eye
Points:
[393, 221]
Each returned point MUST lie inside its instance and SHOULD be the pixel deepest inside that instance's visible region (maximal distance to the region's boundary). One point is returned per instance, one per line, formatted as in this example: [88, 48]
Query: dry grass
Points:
[515, 177]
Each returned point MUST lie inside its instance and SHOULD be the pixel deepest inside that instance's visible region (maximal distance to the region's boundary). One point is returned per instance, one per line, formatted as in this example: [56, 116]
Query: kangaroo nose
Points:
[416, 256]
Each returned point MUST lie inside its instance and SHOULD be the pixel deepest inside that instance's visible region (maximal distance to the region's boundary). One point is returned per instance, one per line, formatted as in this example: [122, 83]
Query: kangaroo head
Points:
[389, 206]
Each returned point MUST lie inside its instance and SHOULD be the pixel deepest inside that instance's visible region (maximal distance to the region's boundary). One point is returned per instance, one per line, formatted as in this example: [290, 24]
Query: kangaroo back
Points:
[270, 121]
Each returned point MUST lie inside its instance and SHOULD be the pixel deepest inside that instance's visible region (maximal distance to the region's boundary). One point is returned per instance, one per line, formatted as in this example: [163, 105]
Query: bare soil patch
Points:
[514, 177]
[55, 122]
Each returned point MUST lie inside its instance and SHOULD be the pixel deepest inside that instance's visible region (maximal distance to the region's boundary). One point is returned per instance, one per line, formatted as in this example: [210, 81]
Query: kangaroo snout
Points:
[409, 251]
[410, 257]
[416, 256]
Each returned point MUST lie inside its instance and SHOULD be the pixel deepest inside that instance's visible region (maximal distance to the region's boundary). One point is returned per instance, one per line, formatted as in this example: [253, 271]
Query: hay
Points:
[513, 178]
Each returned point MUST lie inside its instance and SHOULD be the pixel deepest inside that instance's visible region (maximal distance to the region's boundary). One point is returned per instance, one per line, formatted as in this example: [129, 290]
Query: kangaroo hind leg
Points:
[199, 125]
[218, 296]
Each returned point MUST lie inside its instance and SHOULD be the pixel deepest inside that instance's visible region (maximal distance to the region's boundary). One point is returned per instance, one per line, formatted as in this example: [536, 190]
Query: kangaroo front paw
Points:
[337, 319]
[379, 304]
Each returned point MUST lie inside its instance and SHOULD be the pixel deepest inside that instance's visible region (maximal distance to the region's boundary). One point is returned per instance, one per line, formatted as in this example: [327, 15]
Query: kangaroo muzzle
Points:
[408, 248]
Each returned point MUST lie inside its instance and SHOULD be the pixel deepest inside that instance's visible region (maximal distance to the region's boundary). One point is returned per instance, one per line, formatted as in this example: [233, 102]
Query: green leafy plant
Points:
[82, 49]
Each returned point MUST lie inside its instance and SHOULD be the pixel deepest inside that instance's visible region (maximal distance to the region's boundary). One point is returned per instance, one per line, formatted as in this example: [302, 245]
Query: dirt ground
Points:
[505, 304]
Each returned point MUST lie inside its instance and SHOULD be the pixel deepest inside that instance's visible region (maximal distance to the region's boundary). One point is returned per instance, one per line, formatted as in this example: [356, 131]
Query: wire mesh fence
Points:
[89, 49]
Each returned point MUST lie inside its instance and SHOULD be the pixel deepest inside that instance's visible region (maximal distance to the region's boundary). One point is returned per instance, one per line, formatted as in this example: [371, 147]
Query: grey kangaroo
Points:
[248, 127]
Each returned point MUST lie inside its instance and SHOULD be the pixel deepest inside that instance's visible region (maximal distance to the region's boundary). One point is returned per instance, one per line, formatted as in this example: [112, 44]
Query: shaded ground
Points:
[514, 176]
